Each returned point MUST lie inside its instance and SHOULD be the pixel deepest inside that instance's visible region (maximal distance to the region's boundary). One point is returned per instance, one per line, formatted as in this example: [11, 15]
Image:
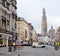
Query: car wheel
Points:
[33, 46]
[43, 46]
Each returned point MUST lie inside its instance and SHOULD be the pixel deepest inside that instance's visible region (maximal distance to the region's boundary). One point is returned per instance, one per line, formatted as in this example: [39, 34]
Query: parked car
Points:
[18, 43]
[35, 44]
[26, 44]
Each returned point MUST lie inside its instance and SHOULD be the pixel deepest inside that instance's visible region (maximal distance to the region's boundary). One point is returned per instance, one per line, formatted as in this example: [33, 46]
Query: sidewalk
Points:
[4, 52]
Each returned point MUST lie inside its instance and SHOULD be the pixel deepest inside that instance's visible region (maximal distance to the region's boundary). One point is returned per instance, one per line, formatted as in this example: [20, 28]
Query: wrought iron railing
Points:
[5, 31]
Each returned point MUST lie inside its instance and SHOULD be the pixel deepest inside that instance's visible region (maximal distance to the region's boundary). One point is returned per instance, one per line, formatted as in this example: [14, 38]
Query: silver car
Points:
[35, 44]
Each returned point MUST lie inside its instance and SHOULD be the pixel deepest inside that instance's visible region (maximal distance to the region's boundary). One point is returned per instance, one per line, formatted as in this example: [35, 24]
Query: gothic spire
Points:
[44, 13]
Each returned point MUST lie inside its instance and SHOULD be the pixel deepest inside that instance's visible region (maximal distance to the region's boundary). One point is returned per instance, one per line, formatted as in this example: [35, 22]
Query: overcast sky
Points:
[31, 10]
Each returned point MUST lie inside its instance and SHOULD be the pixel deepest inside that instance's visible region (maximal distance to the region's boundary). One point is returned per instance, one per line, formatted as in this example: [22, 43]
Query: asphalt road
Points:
[29, 51]
[48, 51]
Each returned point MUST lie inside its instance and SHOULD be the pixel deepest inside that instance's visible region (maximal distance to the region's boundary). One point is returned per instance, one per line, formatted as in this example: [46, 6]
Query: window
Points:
[4, 13]
[18, 23]
[25, 33]
[15, 26]
[8, 17]
[0, 35]
[7, 5]
[18, 28]
[3, 2]
[14, 3]
[4, 24]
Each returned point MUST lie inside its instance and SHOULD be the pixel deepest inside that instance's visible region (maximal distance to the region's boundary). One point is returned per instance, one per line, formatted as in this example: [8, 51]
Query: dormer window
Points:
[8, 1]
[14, 4]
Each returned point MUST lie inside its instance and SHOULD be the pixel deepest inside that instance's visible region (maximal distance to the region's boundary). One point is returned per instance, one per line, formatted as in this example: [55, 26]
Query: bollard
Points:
[18, 54]
[10, 49]
[56, 48]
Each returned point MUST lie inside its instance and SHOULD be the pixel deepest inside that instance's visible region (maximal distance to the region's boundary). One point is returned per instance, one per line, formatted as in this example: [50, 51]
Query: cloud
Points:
[31, 10]
[54, 21]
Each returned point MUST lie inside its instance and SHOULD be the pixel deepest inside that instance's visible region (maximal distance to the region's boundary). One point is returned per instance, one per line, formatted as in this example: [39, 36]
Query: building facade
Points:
[52, 32]
[34, 36]
[44, 23]
[58, 34]
[22, 29]
[31, 29]
[8, 17]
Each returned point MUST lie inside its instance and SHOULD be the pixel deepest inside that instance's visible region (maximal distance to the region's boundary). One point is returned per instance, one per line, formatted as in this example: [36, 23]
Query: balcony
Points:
[14, 14]
[6, 31]
[3, 18]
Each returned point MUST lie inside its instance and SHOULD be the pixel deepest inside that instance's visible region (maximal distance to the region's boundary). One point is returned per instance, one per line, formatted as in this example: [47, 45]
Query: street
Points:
[48, 51]
[29, 51]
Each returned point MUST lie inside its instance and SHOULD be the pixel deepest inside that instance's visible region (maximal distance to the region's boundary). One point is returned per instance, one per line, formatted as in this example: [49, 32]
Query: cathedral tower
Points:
[44, 23]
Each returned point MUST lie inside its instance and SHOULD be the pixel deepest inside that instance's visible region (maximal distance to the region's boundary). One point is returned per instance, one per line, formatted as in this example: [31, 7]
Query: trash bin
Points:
[10, 49]
[14, 47]
[56, 48]
[18, 54]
